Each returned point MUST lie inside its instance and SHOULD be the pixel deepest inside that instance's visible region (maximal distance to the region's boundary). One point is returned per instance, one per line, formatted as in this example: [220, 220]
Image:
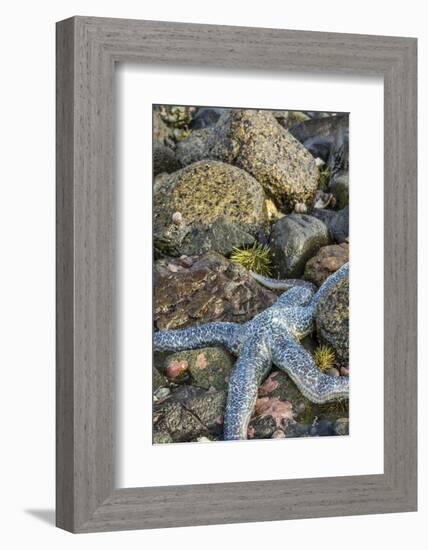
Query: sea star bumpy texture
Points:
[271, 337]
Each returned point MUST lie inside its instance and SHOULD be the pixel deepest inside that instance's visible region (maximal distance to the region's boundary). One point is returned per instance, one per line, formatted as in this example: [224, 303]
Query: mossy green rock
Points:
[206, 368]
[332, 319]
[206, 191]
[210, 367]
[340, 189]
[158, 379]
[256, 142]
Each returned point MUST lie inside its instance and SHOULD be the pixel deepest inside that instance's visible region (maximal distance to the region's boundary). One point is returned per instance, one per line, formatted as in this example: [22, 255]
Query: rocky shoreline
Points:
[228, 181]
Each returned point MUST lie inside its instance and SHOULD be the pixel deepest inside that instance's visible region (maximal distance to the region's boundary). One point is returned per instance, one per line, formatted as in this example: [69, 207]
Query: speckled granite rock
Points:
[294, 240]
[189, 291]
[256, 142]
[189, 414]
[328, 260]
[332, 319]
[164, 159]
[205, 192]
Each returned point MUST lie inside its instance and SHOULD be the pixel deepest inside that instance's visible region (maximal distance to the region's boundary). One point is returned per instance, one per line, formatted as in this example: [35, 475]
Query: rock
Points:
[207, 367]
[341, 426]
[321, 428]
[206, 117]
[164, 159]
[281, 406]
[332, 319]
[203, 193]
[327, 261]
[340, 189]
[337, 222]
[294, 240]
[326, 126]
[319, 146]
[194, 147]
[209, 288]
[161, 132]
[332, 372]
[189, 416]
[158, 379]
[256, 142]
[221, 236]
[339, 226]
[289, 118]
[177, 367]
[161, 437]
[161, 393]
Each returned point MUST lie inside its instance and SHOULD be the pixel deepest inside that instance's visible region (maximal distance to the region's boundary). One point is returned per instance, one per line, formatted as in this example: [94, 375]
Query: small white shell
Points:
[177, 218]
[300, 208]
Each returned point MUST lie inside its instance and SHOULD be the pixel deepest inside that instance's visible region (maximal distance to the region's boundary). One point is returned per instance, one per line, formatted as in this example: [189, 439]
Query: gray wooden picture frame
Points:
[87, 51]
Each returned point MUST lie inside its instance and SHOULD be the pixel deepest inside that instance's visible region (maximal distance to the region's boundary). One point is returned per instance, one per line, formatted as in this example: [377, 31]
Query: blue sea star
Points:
[271, 337]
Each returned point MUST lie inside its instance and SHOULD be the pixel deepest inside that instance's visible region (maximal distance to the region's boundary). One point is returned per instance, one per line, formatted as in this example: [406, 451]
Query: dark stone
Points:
[221, 236]
[319, 146]
[164, 159]
[341, 426]
[322, 428]
[336, 221]
[294, 240]
[340, 189]
[339, 226]
[325, 126]
[194, 147]
[206, 117]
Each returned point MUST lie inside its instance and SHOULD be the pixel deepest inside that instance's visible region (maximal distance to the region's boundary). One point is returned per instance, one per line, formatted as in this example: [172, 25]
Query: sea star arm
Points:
[279, 284]
[210, 334]
[289, 356]
[253, 364]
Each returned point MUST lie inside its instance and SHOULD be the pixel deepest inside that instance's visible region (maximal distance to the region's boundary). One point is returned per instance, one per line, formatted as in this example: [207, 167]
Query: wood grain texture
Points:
[87, 50]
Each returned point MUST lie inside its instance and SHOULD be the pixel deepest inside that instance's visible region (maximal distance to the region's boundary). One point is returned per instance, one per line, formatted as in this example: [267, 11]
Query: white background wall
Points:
[27, 271]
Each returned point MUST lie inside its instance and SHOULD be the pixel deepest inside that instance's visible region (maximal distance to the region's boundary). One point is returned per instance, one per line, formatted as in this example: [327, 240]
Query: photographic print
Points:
[250, 274]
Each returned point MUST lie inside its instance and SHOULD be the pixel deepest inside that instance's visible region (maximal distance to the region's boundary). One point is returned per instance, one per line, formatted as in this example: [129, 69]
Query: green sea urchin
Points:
[254, 258]
[324, 357]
